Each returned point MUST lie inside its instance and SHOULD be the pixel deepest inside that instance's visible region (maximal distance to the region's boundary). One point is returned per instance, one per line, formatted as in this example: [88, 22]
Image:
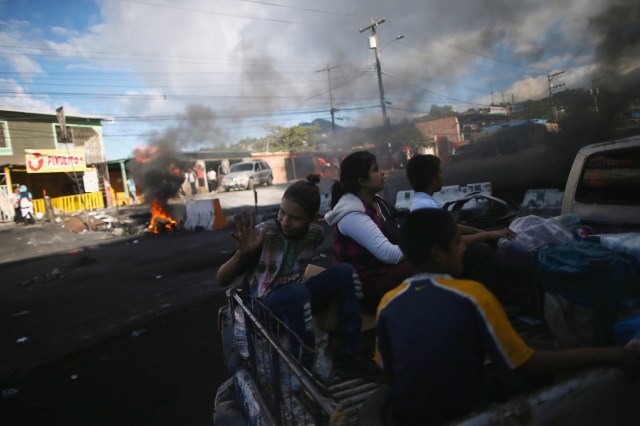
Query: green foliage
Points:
[296, 138]
[406, 135]
[281, 138]
[439, 112]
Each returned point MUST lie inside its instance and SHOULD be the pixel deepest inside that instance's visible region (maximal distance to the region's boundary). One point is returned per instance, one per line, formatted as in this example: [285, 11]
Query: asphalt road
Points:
[81, 364]
[166, 376]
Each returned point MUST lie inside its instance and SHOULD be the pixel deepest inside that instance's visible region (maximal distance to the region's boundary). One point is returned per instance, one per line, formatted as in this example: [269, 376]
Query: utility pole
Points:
[333, 109]
[373, 44]
[594, 92]
[552, 87]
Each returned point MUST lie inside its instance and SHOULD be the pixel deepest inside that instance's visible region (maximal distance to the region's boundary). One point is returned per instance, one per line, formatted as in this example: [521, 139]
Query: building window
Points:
[5, 140]
[77, 135]
[69, 138]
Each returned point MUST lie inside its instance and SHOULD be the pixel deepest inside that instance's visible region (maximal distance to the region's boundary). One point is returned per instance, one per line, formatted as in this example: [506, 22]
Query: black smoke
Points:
[160, 175]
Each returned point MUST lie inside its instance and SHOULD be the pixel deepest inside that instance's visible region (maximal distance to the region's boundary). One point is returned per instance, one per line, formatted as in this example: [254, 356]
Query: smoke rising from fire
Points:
[162, 174]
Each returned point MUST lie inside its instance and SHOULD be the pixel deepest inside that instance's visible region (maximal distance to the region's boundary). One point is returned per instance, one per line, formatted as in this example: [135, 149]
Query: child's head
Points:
[354, 170]
[430, 239]
[299, 206]
[422, 169]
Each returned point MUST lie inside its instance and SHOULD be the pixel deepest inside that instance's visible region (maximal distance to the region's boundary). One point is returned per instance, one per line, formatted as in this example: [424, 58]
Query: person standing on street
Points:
[191, 177]
[201, 176]
[15, 202]
[26, 206]
[132, 189]
[212, 177]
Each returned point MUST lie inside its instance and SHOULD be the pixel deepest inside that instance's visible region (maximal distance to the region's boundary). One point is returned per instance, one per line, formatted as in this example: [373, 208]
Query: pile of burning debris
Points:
[104, 222]
[129, 220]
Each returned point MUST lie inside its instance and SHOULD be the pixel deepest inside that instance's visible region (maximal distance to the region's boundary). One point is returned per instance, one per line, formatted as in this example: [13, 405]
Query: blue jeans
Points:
[340, 283]
[290, 303]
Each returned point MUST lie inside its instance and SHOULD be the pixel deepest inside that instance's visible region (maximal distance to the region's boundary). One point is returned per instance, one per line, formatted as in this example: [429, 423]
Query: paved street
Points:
[166, 376]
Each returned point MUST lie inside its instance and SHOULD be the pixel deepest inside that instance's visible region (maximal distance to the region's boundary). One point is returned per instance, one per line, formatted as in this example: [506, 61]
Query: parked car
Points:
[247, 174]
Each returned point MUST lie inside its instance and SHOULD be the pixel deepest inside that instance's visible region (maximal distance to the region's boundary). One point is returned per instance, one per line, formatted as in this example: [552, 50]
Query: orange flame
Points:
[158, 212]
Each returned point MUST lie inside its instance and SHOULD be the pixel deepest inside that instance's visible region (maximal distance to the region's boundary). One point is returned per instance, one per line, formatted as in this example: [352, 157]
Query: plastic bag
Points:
[627, 243]
[240, 332]
[535, 232]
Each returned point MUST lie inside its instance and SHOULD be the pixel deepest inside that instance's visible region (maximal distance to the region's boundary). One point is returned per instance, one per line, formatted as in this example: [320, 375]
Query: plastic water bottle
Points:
[240, 332]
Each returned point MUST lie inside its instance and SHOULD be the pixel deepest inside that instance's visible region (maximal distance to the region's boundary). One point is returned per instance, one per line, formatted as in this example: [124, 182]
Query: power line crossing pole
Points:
[594, 92]
[333, 109]
[373, 44]
[551, 78]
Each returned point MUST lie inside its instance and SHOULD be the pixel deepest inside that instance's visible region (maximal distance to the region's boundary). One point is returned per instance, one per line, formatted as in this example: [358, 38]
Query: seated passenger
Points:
[364, 230]
[434, 332]
[277, 252]
[425, 176]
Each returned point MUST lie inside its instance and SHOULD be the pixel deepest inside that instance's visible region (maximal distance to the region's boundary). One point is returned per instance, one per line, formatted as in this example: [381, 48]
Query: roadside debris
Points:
[21, 313]
[8, 393]
[98, 221]
[139, 332]
[49, 276]
[23, 340]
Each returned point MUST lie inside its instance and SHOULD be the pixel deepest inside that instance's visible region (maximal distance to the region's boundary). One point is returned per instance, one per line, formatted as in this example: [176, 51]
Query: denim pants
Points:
[290, 303]
[340, 283]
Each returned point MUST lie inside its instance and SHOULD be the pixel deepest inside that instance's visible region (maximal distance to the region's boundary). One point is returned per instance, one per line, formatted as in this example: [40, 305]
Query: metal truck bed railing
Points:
[293, 396]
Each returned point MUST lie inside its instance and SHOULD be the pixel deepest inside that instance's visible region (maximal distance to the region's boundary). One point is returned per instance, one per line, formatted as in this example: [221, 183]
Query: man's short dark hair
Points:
[424, 229]
[421, 169]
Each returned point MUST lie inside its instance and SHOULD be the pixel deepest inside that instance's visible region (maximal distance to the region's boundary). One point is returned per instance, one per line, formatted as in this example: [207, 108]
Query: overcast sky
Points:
[206, 72]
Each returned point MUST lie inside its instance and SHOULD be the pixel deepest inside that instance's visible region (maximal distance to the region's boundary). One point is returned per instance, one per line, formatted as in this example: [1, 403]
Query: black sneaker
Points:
[359, 366]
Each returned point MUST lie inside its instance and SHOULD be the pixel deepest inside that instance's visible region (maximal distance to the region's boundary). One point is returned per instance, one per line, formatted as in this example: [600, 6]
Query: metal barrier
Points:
[72, 203]
[291, 392]
[7, 211]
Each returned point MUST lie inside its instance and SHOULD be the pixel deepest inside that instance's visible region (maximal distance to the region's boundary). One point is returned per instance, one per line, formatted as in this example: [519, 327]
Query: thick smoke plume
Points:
[161, 174]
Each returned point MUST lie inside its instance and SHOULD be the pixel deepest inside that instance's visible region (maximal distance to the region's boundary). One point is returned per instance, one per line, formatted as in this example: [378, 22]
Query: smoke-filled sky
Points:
[200, 73]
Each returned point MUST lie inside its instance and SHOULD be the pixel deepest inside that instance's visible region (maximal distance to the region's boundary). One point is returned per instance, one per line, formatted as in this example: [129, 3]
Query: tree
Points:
[440, 112]
[296, 138]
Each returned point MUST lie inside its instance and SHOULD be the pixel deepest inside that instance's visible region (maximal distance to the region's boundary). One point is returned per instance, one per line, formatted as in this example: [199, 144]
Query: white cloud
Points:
[214, 54]
[63, 32]
[20, 100]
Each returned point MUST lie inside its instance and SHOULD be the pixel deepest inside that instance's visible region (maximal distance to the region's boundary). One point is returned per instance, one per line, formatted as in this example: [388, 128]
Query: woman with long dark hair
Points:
[364, 229]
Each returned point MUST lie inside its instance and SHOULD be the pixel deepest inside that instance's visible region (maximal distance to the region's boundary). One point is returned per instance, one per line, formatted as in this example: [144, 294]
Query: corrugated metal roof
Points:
[53, 114]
